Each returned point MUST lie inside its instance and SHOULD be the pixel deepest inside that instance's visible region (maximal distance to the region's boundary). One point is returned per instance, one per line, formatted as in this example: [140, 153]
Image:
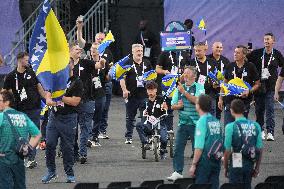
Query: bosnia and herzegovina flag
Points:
[235, 87]
[119, 69]
[201, 25]
[105, 43]
[169, 83]
[150, 75]
[216, 76]
[49, 52]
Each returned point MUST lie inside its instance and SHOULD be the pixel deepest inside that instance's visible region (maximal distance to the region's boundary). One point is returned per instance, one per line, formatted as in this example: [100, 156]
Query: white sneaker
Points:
[263, 135]
[128, 141]
[101, 136]
[31, 164]
[270, 137]
[174, 176]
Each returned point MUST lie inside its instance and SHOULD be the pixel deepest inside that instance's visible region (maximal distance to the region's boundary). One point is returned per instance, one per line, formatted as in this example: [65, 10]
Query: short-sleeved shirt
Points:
[25, 128]
[167, 61]
[98, 83]
[275, 60]
[282, 72]
[74, 88]
[136, 72]
[221, 63]
[249, 74]
[188, 115]
[250, 128]
[207, 125]
[24, 88]
[202, 70]
[84, 69]
[107, 55]
[155, 107]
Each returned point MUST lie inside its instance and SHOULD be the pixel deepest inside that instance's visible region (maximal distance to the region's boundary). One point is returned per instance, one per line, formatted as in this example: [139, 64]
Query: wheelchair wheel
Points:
[143, 153]
[171, 141]
[156, 148]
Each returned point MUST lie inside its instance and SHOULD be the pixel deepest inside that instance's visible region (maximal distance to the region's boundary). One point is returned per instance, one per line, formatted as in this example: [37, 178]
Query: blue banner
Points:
[175, 41]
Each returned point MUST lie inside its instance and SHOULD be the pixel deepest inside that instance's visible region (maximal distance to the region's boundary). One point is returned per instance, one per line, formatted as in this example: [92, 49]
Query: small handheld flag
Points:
[105, 43]
[119, 69]
[150, 75]
[201, 25]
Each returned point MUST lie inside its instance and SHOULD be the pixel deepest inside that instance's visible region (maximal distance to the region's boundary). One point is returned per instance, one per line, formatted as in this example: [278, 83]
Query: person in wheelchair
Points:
[155, 108]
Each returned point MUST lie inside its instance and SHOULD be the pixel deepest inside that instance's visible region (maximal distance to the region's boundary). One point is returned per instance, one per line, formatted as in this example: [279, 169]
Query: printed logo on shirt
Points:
[18, 120]
[29, 77]
[248, 129]
[214, 127]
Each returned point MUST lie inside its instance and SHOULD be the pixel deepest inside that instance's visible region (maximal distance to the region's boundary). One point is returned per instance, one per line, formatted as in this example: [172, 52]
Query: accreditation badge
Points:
[237, 160]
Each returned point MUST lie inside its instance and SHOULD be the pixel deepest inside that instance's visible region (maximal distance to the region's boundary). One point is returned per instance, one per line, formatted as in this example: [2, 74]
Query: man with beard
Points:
[27, 90]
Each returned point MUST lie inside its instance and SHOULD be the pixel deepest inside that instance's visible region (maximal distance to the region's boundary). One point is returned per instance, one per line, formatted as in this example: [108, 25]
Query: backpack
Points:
[215, 143]
[248, 145]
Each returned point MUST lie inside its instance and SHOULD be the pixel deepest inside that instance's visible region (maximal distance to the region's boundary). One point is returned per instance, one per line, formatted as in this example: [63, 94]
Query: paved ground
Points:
[116, 161]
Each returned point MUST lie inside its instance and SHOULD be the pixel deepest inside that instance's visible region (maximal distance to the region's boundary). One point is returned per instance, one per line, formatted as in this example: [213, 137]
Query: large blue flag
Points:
[49, 52]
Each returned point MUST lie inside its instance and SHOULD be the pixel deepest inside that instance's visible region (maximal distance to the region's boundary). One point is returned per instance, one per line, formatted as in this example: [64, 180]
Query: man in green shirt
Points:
[243, 146]
[184, 100]
[12, 169]
[208, 145]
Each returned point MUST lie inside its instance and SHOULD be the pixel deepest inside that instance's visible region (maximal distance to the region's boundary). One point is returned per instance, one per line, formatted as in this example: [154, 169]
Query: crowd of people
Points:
[236, 140]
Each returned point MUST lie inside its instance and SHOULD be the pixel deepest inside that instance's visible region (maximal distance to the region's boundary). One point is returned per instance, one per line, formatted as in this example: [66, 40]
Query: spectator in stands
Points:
[208, 150]
[221, 63]
[62, 124]
[245, 71]
[133, 88]
[188, 25]
[277, 89]
[148, 39]
[27, 90]
[12, 169]
[243, 147]
[183, 100]
[1, 61]
[266, 60]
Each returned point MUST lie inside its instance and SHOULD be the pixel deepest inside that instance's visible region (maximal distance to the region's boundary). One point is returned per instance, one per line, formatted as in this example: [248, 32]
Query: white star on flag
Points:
[41, 38]
[34, 58]
[43, 28]
[44, 9]
[38, 48]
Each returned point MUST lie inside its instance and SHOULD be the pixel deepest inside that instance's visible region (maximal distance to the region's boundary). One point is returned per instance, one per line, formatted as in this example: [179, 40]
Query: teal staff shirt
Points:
[24, 126]
[249, 127]
[188, 115]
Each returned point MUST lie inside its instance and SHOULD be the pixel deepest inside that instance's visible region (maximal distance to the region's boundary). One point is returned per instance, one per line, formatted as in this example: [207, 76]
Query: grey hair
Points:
[192, 68]
[137, 45]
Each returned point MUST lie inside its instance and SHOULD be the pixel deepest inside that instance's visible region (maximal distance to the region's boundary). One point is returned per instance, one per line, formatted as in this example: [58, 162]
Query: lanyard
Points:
[17, 81]
[172, 59]
[135, 69]
[142, 39]
[235, 75]
[153, 108]
[198, 68]
[222, 66]
[269, 58]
